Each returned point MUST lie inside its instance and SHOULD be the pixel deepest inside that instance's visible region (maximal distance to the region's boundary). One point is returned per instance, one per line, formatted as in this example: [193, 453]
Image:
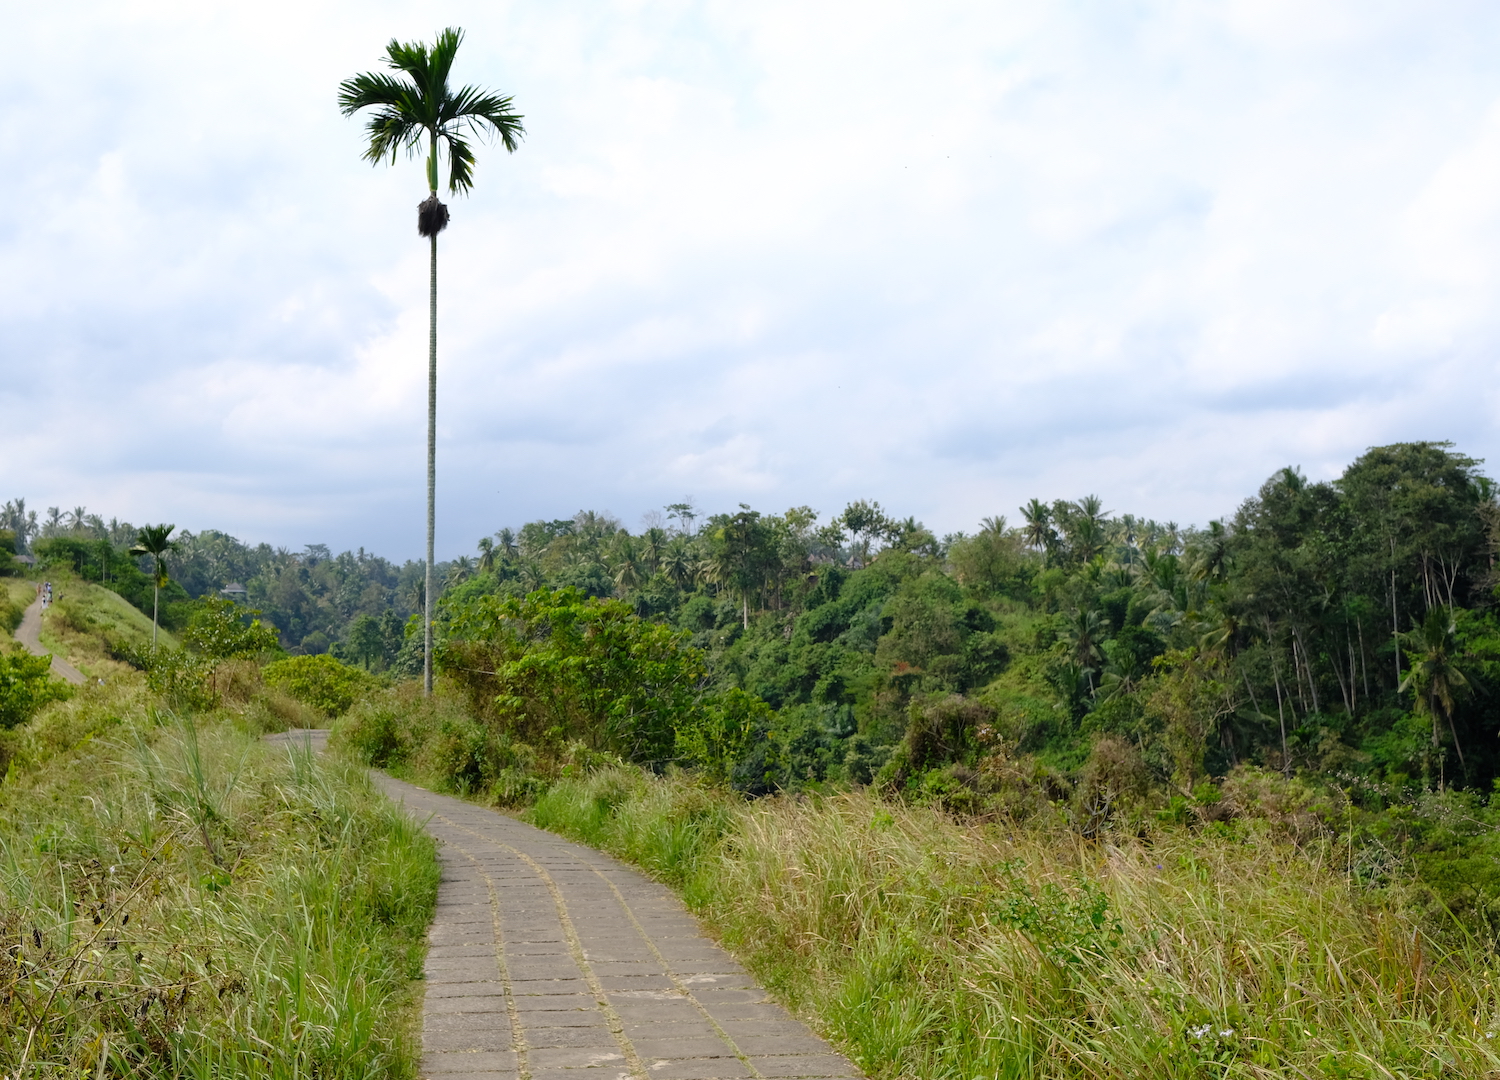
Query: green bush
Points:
[217, 629]
[26, 684]
[434, 742]
[320, 681]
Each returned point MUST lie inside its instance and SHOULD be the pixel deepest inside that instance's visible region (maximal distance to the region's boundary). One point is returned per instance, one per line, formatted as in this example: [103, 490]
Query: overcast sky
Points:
[945, 255]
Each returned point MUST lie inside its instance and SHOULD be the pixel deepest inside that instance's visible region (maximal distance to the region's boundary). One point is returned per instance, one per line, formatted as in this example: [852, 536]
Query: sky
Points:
[949, 256]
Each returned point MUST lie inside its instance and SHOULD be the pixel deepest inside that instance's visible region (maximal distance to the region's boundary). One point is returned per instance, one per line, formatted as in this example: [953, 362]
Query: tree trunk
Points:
[431, 466]
[155, 594]
[1395, 623]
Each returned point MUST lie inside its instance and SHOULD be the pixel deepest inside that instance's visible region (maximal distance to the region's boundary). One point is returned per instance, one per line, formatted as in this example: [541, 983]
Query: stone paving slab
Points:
[552, 961]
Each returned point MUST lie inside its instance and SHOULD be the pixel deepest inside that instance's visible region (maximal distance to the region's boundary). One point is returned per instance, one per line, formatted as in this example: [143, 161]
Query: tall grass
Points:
[933, 949]
[187, 901]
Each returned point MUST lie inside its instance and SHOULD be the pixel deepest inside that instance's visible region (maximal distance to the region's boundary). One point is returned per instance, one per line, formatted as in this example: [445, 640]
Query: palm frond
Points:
[416, 107]
[440, 56]
[460, 164]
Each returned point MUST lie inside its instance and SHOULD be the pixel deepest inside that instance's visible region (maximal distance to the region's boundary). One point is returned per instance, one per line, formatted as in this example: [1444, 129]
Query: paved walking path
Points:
[29, 634]
[551, 961]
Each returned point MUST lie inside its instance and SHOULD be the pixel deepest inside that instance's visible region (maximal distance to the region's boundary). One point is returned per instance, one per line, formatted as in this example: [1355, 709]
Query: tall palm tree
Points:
[486, 555]
[414, 107]
[154, 540]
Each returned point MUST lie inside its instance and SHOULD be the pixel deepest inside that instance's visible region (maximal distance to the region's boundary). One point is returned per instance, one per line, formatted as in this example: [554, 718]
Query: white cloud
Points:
[948, 256]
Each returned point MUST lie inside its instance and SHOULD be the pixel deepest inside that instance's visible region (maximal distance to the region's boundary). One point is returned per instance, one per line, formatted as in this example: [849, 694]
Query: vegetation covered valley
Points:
[1081, 795]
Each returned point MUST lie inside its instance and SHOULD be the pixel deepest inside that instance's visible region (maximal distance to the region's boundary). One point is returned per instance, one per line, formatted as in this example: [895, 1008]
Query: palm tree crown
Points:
[419, 105]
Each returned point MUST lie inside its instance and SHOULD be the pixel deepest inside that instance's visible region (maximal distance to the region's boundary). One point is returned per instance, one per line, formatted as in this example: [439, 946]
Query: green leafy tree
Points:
[716, 736]
[218, 629]
[366, 640]
[415, 109]
[866, 522]
[558, 666]
[155, 540]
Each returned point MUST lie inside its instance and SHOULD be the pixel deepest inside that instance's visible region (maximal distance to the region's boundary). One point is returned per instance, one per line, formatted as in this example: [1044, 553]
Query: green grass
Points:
[932, 949]
[185, 900]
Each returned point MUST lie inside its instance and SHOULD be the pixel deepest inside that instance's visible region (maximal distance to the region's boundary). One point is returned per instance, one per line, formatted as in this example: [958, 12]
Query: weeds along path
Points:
[29, 634]
[552, 961]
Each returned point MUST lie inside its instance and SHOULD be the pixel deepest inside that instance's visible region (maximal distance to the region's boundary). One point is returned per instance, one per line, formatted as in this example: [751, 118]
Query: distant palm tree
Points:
[1037, 531]
[486, 555]
[78, 519]
[506, 538]
[533, 577]
[417, 106]
[1434, 678]
[1084, 632]
[678, 562]
[1213, 552]
[459, 570]
[654, 541]
[154, 540]
[627, 564]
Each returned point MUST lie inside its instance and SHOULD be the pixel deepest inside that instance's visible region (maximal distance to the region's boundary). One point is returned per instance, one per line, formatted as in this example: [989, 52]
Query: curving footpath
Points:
[551, 961]
[29, 634]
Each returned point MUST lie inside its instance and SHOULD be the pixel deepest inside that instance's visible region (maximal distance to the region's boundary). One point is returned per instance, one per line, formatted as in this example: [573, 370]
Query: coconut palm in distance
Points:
[416, 109]
[153, 540]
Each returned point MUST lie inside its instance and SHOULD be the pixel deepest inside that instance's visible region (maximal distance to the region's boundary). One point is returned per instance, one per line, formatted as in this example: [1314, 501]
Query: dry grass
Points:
[932, 949]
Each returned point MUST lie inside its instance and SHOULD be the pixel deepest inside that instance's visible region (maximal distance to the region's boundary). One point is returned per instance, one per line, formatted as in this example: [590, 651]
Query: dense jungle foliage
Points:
[1345, 628]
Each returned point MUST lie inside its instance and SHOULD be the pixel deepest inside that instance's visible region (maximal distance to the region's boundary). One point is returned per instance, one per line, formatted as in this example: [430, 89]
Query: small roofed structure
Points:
[233, 591]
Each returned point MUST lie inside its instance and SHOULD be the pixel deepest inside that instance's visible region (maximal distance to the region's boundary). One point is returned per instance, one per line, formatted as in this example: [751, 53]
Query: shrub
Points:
[26, 684]
[321, 681]
[11, 613]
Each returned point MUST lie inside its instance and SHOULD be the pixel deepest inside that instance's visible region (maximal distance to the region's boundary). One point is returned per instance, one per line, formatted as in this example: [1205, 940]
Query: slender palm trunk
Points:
[155, 597]
[431, 464]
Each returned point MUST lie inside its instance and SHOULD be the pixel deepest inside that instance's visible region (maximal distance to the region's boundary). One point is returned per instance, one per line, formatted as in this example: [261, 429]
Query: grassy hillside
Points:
[88, 625]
